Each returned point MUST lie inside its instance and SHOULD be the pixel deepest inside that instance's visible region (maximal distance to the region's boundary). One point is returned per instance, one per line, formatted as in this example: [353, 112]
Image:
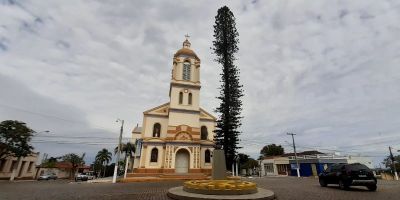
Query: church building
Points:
[177, 137]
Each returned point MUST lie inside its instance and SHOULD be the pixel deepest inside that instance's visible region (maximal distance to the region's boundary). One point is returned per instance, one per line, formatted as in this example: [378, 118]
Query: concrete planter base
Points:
[179, 194]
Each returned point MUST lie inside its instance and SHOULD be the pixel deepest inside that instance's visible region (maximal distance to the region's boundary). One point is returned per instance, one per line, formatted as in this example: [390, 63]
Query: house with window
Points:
[311, 163]
[275, 165]
[62, 169]
[177, 137]
[26, 167]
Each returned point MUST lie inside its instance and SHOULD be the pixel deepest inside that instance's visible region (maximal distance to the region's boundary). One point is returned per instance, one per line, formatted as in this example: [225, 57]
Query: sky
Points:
[325, 70]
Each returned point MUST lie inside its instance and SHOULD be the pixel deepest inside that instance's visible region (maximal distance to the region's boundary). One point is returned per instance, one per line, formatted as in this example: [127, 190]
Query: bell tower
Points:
[185, 81]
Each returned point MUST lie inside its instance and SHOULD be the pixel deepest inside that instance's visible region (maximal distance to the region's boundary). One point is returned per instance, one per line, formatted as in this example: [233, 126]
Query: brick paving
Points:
[284, 188]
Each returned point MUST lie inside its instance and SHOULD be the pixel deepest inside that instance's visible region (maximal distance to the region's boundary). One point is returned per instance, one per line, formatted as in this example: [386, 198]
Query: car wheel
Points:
[372, 187]
[343, 185]
[322, 182]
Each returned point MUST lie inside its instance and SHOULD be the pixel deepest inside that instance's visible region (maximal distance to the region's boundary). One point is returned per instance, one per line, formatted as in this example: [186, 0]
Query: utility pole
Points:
[393, 163]
[119, 151]
[295, 154]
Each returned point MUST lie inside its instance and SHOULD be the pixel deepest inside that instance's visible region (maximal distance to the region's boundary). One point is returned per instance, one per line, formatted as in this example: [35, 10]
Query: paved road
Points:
[284, 188]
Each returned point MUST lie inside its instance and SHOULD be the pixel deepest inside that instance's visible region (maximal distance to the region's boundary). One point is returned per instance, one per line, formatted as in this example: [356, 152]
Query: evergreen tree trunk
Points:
[225, 47]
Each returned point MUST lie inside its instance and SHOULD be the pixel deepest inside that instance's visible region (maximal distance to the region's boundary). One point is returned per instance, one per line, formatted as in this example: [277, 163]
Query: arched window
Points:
[207, 156]
[190, 99]
[186, 71]
[154, 155]
[156, 130]
[204, 133]
[180, 97]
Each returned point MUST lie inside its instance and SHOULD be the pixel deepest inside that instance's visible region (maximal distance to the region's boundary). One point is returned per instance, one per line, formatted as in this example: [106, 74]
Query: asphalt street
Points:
[284, 188]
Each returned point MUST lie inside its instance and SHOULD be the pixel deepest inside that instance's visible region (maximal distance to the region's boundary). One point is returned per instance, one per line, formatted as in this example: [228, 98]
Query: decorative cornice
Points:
[156, 115]
[186, 85]
[155, 108]
[212, 116]
[184, 110]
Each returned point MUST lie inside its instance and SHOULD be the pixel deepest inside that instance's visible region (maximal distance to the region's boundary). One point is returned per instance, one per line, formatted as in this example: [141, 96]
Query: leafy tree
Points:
[51, 162]
[75, 161]
[14, 141]
[243, 158]
[225, 46]
[388, 162]
[272, 150]
[250, 164]
[104, 156]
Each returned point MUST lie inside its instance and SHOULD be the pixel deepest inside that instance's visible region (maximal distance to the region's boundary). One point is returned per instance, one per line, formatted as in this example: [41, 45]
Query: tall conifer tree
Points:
[225, 46]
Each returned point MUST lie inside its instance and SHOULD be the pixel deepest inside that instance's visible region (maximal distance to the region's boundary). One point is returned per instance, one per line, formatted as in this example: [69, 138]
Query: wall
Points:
[61, 173]
[26, 170]
[149, 122]
[160, 159]
[177, 118]
[360, 159]
[210, 128]
[202, 158]
[174, 102]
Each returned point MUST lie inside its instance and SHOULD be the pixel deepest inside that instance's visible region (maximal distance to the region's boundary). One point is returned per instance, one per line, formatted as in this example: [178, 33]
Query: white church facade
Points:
[177, 137]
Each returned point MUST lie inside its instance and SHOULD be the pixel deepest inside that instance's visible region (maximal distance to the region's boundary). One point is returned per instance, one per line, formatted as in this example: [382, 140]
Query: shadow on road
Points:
[352, 188]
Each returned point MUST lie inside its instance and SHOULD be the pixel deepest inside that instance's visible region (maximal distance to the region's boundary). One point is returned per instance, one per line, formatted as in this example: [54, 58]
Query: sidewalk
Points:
[102, 180]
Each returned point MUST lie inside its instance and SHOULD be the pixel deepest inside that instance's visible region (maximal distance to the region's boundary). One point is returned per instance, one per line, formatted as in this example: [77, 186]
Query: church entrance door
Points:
[182, 158]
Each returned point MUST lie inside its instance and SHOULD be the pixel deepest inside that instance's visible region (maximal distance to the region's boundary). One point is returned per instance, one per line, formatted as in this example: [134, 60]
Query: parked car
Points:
[347, 175]
[47, 177]
[81, 177]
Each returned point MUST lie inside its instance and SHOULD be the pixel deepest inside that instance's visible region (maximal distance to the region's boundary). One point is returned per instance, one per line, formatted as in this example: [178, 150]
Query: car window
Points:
[329, 169]
[356, 166]
[336, 167]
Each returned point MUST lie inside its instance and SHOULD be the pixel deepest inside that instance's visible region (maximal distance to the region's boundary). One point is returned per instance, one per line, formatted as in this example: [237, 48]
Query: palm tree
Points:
[103, 156]
[128, 149]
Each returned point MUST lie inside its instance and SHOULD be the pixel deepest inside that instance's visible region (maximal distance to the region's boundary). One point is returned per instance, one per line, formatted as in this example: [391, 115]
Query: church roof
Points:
[162, 110]
[137, 130]
[186, 51]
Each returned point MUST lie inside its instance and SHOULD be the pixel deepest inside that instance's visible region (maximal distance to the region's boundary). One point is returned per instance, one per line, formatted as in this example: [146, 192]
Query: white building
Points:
[177, 137]
[367, 161]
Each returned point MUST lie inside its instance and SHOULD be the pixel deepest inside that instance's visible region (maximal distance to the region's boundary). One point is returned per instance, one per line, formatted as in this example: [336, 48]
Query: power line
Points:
[314, 148]
[254, 141]
[78, 137]
[53, 117]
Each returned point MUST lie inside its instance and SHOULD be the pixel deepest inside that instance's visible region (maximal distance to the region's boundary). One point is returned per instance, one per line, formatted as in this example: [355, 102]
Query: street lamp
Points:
[119, 150]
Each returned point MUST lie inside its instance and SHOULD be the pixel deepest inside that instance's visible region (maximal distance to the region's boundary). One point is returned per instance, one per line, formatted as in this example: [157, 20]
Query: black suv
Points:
[347, 175]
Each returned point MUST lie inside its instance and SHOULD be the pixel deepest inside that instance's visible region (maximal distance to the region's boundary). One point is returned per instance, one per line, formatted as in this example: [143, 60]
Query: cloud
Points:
[324, 70]
[69, 129]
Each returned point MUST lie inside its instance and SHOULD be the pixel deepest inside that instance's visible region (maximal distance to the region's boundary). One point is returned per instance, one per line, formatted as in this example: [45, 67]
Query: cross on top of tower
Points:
[186, 43]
